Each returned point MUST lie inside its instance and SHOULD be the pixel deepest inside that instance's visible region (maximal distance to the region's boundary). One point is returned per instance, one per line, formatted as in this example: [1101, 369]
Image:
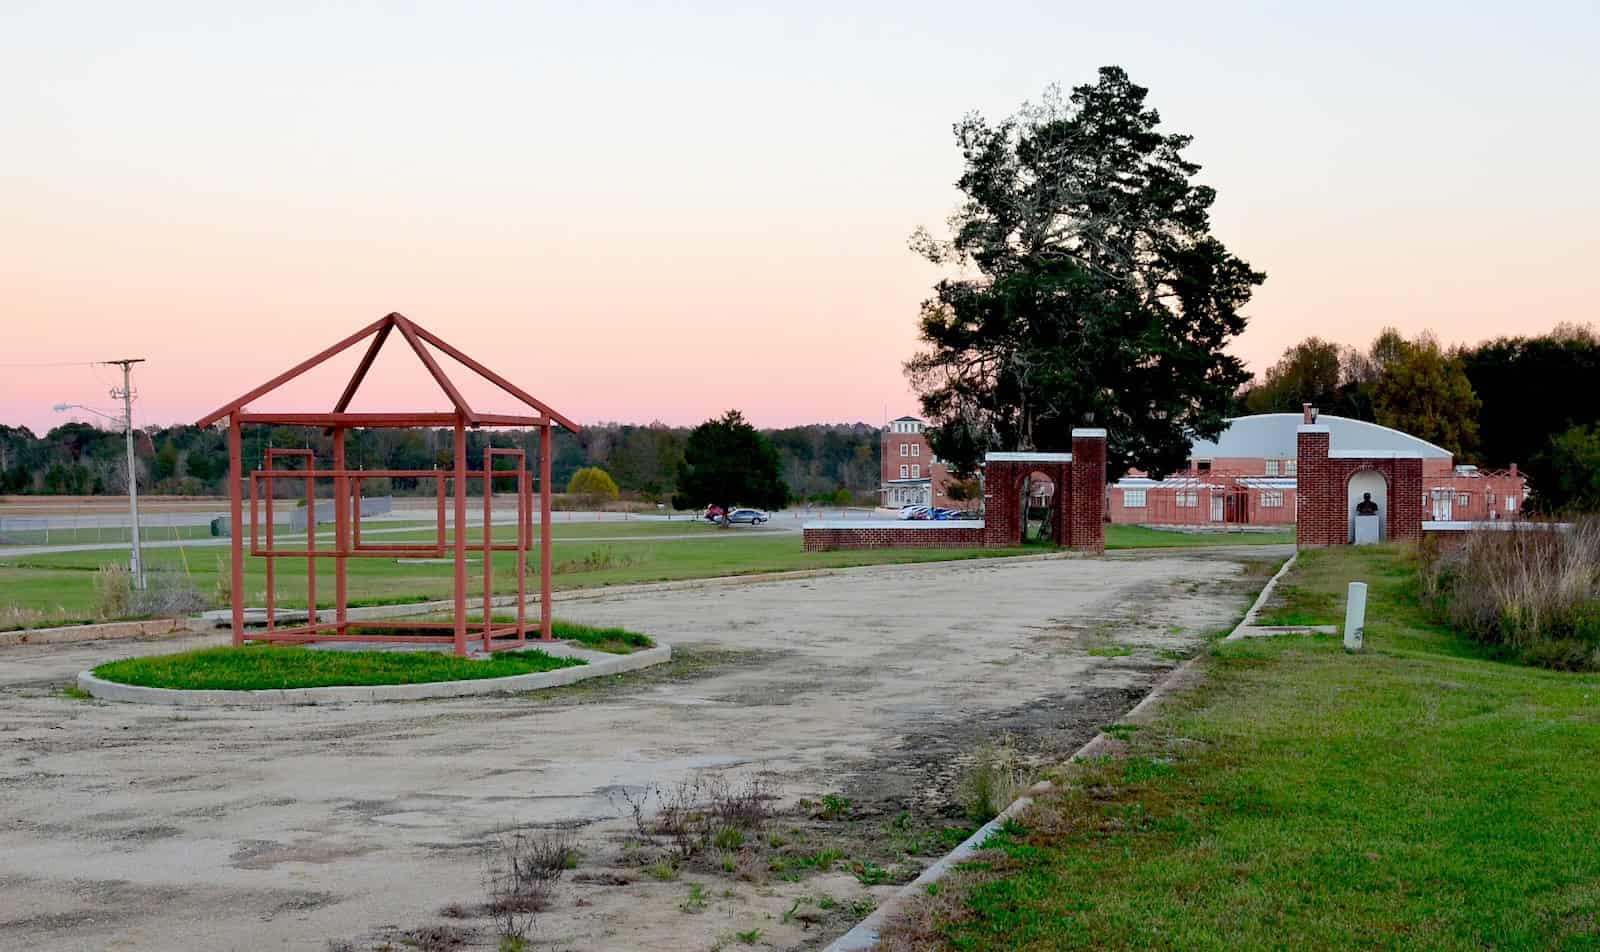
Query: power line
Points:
[59, 363]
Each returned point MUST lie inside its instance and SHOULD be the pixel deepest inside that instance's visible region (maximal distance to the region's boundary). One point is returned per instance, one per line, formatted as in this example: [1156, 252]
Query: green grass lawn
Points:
[57, 588]
[261, 667]
[1417, 795]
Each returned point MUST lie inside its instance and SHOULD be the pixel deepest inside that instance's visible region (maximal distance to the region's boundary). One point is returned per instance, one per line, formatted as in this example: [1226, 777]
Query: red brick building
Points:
[1250, 475]
[910, 475]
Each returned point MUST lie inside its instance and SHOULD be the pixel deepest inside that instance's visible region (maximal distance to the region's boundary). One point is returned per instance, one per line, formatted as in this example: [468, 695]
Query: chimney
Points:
[1513, 469]
[1310, 413]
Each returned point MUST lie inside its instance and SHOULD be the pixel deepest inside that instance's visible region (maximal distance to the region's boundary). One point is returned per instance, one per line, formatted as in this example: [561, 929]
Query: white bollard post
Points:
[1355, 615]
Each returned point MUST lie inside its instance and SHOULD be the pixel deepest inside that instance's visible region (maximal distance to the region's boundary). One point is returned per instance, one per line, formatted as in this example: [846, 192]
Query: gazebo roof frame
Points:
[415, 335]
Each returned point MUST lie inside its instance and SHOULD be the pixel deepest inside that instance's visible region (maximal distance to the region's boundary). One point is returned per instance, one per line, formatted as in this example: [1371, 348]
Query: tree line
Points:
[834, 463]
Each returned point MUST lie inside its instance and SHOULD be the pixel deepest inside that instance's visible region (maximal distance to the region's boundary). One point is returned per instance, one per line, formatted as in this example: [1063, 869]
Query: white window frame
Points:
[1289, 467]
[904, 471]
[1463, 500]
[1511, 502]
[1188, 500]
[916, 471]
[1272, 499]
[905, 449]
[1133, 499]
[1272, 467]
[916, 449]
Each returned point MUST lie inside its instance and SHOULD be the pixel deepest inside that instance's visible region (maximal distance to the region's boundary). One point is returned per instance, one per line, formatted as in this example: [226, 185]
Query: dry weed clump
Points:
[520, 876]
[1533, 590]
[990, 782]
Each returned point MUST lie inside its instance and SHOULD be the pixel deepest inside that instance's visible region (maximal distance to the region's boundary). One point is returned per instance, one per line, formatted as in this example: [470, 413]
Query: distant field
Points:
[58, 588]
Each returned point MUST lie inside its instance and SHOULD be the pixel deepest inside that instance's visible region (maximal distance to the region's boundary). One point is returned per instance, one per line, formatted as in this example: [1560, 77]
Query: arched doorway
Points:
[1362, 483]
[1036, 497]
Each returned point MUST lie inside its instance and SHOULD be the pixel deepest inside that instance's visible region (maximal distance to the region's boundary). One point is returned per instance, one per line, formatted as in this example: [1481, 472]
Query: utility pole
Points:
[136, 562]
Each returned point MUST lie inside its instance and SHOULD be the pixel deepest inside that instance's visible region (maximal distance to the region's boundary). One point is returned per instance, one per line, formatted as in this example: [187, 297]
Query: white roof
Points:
[1269, 435]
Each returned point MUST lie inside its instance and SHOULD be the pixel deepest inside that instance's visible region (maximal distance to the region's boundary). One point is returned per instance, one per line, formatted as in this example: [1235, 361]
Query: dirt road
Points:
[140, 828]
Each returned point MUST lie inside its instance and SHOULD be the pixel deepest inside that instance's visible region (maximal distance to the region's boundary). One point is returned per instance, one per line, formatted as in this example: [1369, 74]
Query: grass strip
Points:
[1417, 795]
[262, 667]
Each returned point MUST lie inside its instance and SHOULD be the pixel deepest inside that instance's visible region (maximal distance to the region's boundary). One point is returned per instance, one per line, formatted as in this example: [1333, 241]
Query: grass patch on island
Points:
[1144, 537]
[263, 667]
[1419, 794]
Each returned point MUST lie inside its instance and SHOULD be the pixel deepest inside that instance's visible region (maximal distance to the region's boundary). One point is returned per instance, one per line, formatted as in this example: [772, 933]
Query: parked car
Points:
[753, 516]
[714, 514]
[916, 512]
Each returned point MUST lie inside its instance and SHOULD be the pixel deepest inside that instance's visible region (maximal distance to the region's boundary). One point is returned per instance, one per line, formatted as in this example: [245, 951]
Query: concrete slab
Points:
[145, 827]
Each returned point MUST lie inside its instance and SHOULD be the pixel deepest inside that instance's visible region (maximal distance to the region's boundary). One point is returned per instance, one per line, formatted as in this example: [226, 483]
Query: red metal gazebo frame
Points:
[347, 500]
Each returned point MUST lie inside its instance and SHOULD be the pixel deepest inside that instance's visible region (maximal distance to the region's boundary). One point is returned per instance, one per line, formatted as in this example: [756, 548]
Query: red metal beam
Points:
[365, 365]
[367, 420]
[439, 377]
[233, 406]
[493, 377]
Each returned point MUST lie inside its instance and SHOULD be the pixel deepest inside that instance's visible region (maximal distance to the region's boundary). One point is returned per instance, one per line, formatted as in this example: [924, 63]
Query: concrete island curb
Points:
[865, 934]
[134, 694]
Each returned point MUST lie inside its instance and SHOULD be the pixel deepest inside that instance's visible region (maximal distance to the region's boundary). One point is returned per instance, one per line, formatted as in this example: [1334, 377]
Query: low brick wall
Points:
[891, 534]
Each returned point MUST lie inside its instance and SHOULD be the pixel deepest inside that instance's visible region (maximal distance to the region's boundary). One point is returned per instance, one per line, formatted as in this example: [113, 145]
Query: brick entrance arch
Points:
[1077, 513]
[1324, 476]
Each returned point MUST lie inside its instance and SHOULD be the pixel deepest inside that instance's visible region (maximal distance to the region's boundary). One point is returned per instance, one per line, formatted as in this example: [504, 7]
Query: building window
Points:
[916, 449]
[916, 471]
[1289, 467]
[905, 449]
[1203, 465]
[1272, 499]
[1133, 498]
[1463, 500]
[1272, 467]
[1511, 503]
[903, 471]
[1188, 500]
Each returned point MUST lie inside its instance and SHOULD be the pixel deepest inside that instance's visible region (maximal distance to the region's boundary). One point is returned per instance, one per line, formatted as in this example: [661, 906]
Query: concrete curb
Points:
[865, 934]
[614, 664]
[63, 634]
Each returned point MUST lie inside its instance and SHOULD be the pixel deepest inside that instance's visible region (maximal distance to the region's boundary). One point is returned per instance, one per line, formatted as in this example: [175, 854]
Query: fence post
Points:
[1355, 616]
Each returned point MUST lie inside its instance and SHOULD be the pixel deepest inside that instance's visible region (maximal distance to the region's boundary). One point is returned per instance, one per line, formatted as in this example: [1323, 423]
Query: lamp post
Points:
[135, 558]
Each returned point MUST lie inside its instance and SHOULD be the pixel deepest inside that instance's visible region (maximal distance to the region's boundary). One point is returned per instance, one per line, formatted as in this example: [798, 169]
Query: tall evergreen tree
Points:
[727, 462]
[1101, 298]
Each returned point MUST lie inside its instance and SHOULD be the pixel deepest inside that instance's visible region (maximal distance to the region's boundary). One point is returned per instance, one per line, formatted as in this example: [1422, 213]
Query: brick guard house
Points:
[1077, 515]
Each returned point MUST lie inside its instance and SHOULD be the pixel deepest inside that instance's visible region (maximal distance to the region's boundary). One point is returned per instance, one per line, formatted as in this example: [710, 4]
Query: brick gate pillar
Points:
[1086, 506]
[1001, 522]
[1321, 516]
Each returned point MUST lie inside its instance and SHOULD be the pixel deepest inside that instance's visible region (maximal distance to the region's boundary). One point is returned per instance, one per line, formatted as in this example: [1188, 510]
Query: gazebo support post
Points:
[236, 529]
[341, 535]
[544, 533]
[524, 536]
[488, 550]
[461, 536]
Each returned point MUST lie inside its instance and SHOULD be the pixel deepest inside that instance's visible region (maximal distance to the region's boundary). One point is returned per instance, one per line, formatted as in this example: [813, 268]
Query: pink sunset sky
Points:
[652, 211]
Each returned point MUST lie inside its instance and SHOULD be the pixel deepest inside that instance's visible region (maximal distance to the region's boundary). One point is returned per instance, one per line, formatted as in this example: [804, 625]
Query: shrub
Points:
[593, 484]
[1534, 591]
